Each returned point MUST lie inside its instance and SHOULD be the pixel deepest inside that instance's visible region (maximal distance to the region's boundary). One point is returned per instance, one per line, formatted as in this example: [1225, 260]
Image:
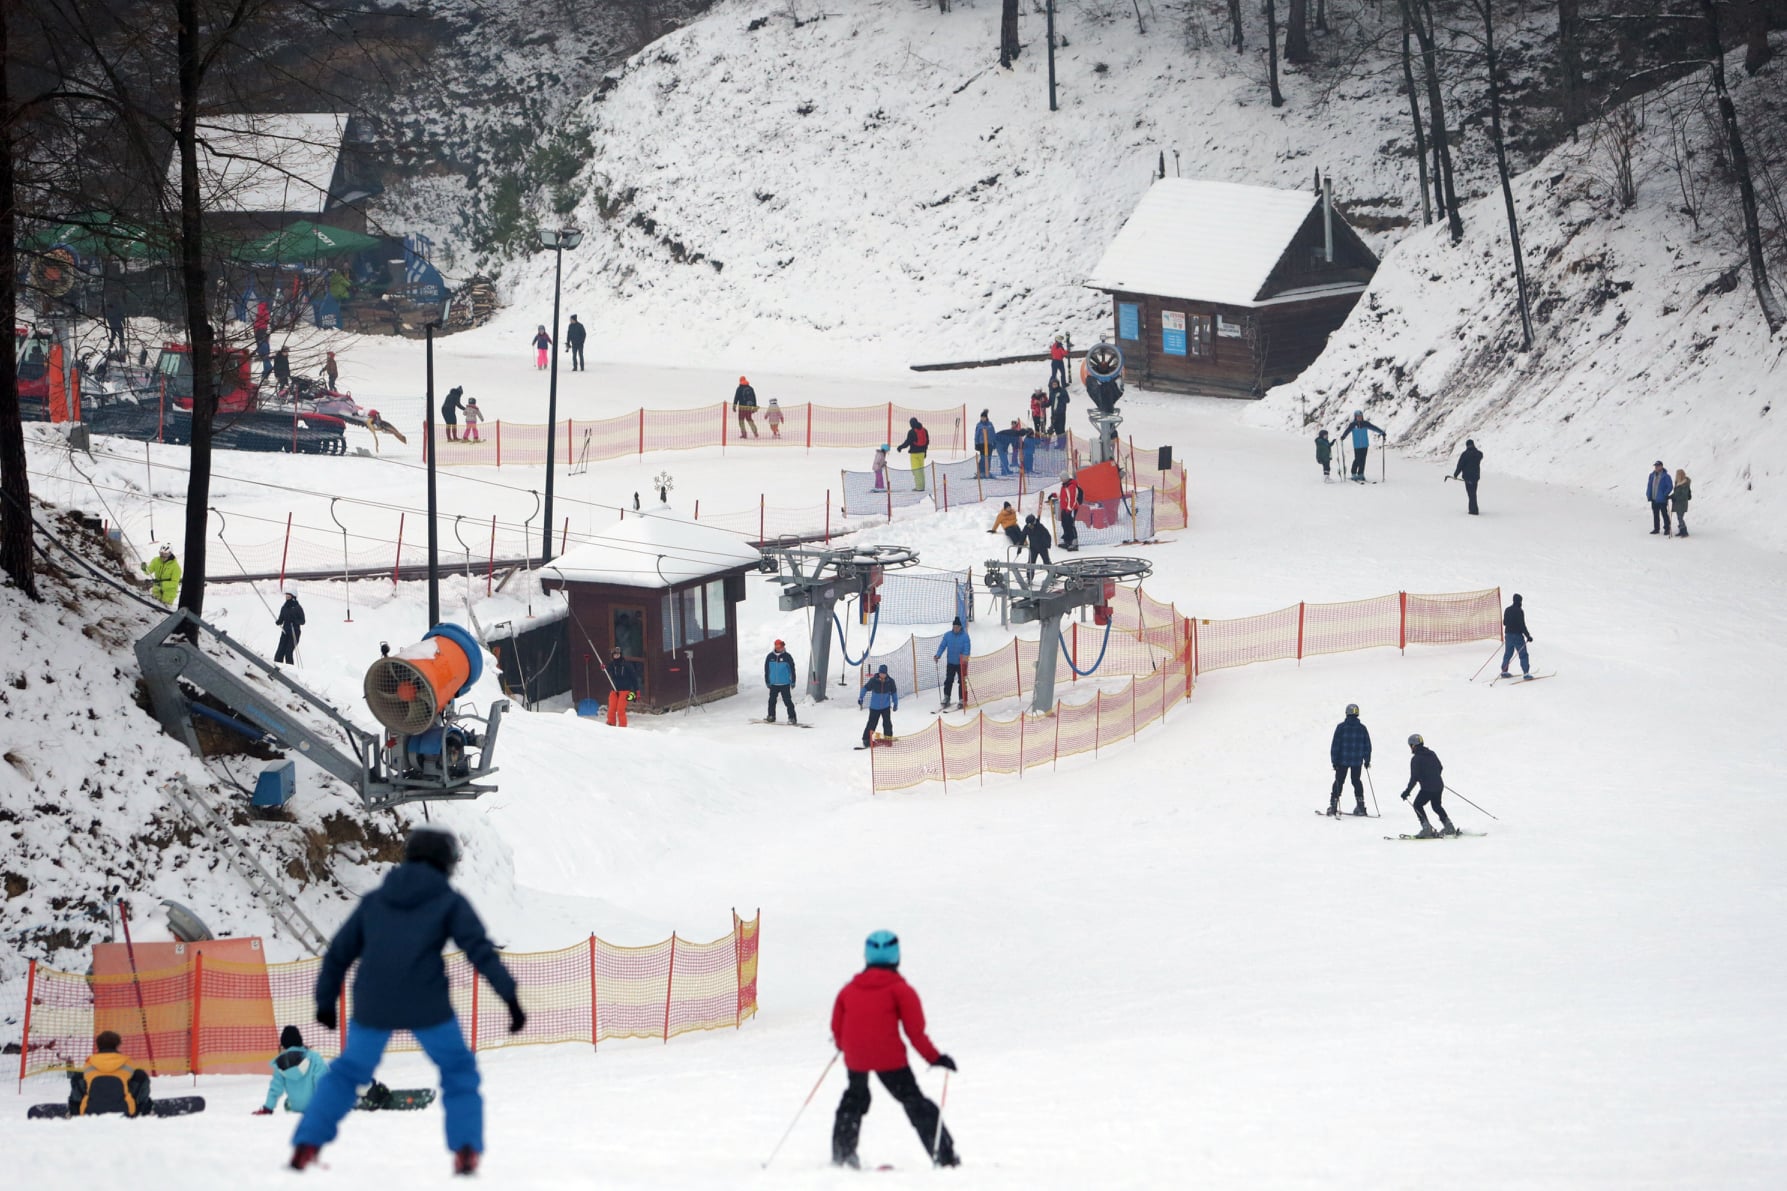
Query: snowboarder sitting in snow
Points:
[884, 699]
[866, 1021]
[1424, 771]
[397, 932]
[1349, 750]
[778, 676]
[1008, 521]
[1324, 450]
[957, 645]
[296, 1072]
[108, 1083]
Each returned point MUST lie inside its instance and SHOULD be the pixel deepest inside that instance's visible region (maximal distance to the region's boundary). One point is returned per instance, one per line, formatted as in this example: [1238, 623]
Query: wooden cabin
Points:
[1227, 289]
[260, 172]
[664, 590]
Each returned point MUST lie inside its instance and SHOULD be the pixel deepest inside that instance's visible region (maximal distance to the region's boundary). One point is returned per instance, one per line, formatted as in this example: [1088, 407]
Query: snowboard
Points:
[779, 723]
[1478, 834]
[177, 1106]
[880, 742]
[382, 1099]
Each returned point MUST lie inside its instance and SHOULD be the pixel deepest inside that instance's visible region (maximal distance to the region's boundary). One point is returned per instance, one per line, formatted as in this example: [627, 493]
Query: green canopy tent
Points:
[305, 243]
[97, 234]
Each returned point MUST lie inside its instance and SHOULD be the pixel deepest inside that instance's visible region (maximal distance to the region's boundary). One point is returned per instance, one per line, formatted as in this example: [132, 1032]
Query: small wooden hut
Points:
[1228, 289]
[664, 590]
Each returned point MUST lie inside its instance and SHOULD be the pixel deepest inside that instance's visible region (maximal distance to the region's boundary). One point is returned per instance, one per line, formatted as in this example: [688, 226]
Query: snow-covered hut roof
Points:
[1204, 241]
[272, 161]
[653, 550]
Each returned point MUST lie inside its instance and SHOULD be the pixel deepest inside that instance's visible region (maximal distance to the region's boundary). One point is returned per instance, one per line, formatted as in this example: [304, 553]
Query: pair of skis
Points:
[1350, 815]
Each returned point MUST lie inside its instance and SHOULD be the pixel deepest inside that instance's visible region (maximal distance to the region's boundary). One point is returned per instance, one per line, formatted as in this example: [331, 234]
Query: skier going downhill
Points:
[1361, 430]
[1515, 637]
[956, 644]
[866, 1022]
[397, 932]
[1424, 771]
[1348, 752]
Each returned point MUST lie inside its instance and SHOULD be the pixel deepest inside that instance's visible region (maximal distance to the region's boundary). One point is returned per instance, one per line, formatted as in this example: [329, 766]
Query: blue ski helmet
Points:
[1415, 741]
[882, 950]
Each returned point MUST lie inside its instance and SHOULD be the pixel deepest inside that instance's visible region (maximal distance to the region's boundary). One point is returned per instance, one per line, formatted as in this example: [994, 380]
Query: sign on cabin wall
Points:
[1226, 329]
[1129, 320]
[1172, 332]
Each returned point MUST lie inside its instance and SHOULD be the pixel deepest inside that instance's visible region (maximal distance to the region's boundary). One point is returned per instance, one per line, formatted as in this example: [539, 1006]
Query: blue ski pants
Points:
[340, 1087]
[1515, 644]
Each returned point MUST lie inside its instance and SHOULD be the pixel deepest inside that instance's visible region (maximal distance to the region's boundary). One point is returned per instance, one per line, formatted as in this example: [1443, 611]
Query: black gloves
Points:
[1405, 795]
[1529, 638]
[325, 1016]
[517, 1017]
[945, 1062]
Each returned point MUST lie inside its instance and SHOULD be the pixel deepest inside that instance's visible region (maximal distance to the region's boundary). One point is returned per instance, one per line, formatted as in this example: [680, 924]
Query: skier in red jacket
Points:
[866, 1023]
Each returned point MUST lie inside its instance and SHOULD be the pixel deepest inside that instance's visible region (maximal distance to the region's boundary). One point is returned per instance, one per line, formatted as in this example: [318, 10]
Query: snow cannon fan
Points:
[1102, 372]
[411, 692]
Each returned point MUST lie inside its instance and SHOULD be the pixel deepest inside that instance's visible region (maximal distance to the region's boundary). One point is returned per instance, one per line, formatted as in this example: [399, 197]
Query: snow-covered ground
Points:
[1158, 966]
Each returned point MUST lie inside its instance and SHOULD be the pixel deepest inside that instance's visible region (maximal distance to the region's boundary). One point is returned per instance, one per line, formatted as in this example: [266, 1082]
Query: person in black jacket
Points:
[623, 676]
[1470, 467]
[291, 627]
[450, 407]
[282, 367]
[1038, 538]
[744, 400]
[397, 932]
[1424, 771]
[917, 441]
[574, 336]
[1515, 637]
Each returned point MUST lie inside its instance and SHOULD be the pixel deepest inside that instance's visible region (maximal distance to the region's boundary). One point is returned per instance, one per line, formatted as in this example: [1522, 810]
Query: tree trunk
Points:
[1572, 102]
[1408, 82]
[1237, 37]
[1008, 34]
[1754, 15]
[1740, 165]
[190, 73]
[1321, 16]
[1486, 8]
[1445, 192]
[15, 485]
[1296, 34]
[1272, 54]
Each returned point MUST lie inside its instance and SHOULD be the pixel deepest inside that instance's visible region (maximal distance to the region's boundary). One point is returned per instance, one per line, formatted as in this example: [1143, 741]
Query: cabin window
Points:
[694, 614]
[1198, 334]
[1129, 320]
[716, 608]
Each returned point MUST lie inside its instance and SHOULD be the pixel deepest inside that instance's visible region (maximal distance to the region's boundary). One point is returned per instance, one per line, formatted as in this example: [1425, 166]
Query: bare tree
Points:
[1296, 34]
[15, 486]
[1237, 37]
[1008, 34]
[1572, 104]
[1740, 166]
[1754, 15]
[1272, 54]
[1408, 83]
[1486, 10]
[1421, 23]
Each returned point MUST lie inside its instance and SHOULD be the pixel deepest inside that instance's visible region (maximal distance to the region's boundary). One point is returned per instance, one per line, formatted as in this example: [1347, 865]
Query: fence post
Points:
[285, 550]
[1076, 653]
[1097, 721]
[642, 430]
[889, 501]
[398, 560]
[1301, 605]
[564, 536]
[490, 567]
[724, 428]
[942, 756]
[1055, 761]
[570, 423]
[25, 1038]
[198, 1000]
[809, 425]
[1402, 621]
[945, 487]
[827, 516]
[982, 719]
[1021, 750]
[889, 437]
[594, 1034]
[1193, 668]
[961, 443]
[499, 442]
[761, 539]
[697, 508]
[474, 1011]
[738, 967]
[669, 983]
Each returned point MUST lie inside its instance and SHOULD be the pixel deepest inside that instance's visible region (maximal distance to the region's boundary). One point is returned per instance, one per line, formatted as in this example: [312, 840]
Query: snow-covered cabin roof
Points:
[272, 161]
[1205, 241]
[653, 550]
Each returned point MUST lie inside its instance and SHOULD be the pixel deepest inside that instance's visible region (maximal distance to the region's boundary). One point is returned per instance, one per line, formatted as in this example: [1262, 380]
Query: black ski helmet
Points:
[290, 1037]
[1415, 741]
[1352, 709]
[433, 845]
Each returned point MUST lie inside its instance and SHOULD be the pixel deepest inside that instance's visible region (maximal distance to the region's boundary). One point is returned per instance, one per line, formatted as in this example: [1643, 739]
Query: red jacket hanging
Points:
[867, 1017]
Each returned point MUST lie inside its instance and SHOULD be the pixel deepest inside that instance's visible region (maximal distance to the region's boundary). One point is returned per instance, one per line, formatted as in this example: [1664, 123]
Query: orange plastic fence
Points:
[210, 1016]
[1162, 652]
[803, 425]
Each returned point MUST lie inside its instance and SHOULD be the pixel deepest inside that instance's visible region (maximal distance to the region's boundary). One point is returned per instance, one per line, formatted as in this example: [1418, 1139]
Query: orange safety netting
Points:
[208, 1015]
[803, 425]
[1162, 652]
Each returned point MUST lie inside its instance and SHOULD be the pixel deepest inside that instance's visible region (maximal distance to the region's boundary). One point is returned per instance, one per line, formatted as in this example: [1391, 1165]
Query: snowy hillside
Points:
[1648, 340]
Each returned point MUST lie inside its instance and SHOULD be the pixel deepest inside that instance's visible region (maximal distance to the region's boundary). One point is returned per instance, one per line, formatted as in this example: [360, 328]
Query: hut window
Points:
[716, 608]
[1198, 333]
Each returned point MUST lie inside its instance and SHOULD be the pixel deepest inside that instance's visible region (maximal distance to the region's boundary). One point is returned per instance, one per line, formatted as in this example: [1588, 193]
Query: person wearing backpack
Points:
[917, 441]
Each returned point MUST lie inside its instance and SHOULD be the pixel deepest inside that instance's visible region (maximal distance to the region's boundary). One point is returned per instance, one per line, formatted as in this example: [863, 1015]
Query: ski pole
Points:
[942, 1100]
[1373, 785]
[803, 1107]
[1468, 802]
[1486, 661]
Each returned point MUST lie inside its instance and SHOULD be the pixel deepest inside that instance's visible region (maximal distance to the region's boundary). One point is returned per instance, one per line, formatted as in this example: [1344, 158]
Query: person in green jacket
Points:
[164, 575]
[1324, 451]
[296, 1073]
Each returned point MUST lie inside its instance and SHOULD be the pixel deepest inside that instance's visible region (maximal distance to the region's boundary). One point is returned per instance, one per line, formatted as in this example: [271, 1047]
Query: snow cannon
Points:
[1102, 372]
[410, 690]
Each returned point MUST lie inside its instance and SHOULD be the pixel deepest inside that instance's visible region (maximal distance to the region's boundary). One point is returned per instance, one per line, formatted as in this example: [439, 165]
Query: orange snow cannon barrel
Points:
[409, 690]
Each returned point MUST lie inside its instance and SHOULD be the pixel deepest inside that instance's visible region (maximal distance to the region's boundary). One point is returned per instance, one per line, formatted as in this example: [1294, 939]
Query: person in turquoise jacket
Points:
[1361, 431]
[956, 644]
[296, 1072]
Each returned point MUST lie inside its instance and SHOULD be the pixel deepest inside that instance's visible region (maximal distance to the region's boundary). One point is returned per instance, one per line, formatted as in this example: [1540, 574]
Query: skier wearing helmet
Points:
[866, 1021]
[164, 575]
[1361, 431]
[884, 699]
[917, 441]
[778, 676]
[1424, 771]
[1349, 750]
[879, 465]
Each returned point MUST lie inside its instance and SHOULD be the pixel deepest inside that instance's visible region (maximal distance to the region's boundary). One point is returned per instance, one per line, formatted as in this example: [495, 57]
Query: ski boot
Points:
[1360, 810]
[1427, 832]
[303, 1156]
[850, 1160]
[1505, 674]
[1334, 808]
[1448, 829]
[947, 1159]
[465, 1160]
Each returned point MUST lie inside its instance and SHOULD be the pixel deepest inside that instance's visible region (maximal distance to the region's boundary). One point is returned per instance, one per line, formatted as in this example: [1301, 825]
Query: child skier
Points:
[866, 1021]
[473, 415]
[1039, 405]
[880, 466]
[542, 344]
[296, 1073]
[773, 418]
[397, 933]
[1324, 450]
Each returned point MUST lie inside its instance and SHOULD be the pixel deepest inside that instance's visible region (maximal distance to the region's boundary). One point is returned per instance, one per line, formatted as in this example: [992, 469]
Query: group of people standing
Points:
[1667, 495]
[456, 405]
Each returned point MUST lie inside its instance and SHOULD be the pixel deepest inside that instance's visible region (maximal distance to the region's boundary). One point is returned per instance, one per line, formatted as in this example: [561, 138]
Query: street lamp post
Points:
[558, 239]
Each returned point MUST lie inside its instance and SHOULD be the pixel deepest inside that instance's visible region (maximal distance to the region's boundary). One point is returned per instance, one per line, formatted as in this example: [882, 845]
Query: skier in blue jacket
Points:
[983, 446]
[778, 676]
[296, 1072]
[1657, 488]
[884, 699]
[397, 933]
[956, 644]
[1349, 751]
[1361, 431]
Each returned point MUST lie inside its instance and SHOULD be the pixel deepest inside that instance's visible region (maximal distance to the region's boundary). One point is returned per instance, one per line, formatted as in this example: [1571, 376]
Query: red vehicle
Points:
[241, 423]
[235, 379]
[32, 350]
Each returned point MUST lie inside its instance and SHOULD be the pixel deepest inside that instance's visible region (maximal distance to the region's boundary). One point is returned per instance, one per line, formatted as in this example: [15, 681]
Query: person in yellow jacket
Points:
[164, 575]
[1008, 521]
[109, 1083]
